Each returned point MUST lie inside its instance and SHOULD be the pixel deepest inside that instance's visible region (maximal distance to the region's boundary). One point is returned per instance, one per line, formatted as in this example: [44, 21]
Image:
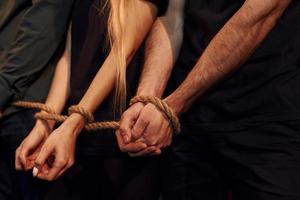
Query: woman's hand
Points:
[29, 149]
[59, 146]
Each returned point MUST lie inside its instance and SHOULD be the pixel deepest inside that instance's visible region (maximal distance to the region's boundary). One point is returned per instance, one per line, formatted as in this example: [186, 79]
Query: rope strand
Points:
[50, 114]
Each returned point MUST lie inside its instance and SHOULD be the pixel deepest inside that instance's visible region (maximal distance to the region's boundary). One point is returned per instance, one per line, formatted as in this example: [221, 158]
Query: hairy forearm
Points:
[105, 79]
[230, 48]
[164, 39]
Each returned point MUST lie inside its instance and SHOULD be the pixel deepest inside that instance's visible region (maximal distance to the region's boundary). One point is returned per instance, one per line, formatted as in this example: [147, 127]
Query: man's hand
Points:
[153, 127]
[148, 130]
[29, 149]
[129, 117]
[60, 146]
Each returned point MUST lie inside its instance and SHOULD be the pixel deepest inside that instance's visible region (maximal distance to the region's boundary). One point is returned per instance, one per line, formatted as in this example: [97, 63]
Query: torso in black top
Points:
[89, 50]
[265, 88]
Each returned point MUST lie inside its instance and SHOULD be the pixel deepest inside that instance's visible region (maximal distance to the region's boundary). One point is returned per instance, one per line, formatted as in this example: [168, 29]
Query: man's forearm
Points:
[230, 48]
[162, 48]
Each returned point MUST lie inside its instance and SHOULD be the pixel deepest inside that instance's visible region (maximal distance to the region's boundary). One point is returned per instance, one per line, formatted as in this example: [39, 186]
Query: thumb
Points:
[43, 156]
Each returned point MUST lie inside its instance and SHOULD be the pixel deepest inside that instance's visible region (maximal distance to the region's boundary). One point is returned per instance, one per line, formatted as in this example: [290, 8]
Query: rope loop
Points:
[161, 106]
[88, 116]
[35, 105]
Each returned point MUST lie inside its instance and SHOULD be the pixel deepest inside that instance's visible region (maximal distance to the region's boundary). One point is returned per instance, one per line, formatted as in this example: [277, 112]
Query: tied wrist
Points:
[87, 116]
[163, 107]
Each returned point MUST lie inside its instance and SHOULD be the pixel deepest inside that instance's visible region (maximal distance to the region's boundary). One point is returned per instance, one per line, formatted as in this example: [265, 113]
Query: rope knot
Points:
[161, 106]
[88, 116]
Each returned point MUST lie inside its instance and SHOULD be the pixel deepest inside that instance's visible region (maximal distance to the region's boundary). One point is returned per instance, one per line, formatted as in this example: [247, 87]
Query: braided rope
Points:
[161, 106]
[50, 114]
[34, 105]
[88, 116]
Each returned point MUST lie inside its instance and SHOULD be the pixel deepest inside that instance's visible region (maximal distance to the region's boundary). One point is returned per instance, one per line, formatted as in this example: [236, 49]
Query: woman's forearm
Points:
[105, 79]
[59, 90]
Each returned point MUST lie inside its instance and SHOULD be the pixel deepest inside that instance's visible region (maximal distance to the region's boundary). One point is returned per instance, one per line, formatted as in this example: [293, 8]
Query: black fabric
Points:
[257, 163]
[31, 33]
[16, 185]
[89, 50]
[265, 88]
[110, 178]
[162, 6]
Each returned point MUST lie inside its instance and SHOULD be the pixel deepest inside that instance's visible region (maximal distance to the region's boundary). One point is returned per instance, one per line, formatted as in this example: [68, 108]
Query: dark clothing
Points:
[110, 178]
[242, 134]
[30, 35]
[257, 163]
[99, 160]
[265, 88]
[16, 185]
[89, 50]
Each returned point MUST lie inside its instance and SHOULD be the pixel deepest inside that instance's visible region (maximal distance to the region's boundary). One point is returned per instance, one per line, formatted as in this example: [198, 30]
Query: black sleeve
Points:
[39, 34]
[162, 6]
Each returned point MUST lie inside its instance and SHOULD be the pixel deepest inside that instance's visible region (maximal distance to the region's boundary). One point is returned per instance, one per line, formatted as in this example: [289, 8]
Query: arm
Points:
[33, 47]
[62, 141]
[230, 48]
[164, 39]
[29, 148]
[235, 42]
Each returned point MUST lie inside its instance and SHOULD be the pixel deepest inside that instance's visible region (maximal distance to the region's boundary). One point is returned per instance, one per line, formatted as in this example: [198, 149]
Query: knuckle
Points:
[125, 115]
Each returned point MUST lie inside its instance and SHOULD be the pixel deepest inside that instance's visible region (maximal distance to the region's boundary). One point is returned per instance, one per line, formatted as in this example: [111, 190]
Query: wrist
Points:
[143, 91]
[176, 104]
[43, 127]
[75, 123]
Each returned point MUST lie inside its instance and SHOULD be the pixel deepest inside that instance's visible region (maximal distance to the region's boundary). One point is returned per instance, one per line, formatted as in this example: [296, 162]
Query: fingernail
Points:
[35, 171]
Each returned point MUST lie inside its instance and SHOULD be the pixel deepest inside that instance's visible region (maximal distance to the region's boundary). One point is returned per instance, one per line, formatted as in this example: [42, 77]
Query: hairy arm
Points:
[229, 49]
[164, 39]
[162, 48]
[234, 43]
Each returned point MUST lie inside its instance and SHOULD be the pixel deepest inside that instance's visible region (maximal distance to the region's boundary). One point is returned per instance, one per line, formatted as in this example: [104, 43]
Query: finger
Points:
[18, 163]
[140, 125]
[69, 165]
[128, 119]
[146, 152]
[43, 156]
[131, 147]
[126, 123]
[30, 160]
[58, 167]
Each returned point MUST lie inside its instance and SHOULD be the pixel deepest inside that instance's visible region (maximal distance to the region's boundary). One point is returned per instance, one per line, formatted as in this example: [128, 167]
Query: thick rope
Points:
[50, 114]
[35, 105]
[161, 106]
[95, 126]
[88, 116]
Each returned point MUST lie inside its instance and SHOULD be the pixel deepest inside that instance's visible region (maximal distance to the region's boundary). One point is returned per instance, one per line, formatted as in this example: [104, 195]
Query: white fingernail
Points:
[35, 171]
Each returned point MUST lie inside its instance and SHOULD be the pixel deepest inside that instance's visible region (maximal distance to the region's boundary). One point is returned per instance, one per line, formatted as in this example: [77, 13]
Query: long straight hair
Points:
[120, 11]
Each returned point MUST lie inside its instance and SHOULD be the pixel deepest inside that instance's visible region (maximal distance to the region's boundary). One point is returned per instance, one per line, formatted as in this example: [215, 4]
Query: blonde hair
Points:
[120, 12]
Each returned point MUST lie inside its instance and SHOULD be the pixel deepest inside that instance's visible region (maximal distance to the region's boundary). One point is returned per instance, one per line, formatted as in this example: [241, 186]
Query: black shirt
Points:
[265, 88]
[31, 33]
[89, 51]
